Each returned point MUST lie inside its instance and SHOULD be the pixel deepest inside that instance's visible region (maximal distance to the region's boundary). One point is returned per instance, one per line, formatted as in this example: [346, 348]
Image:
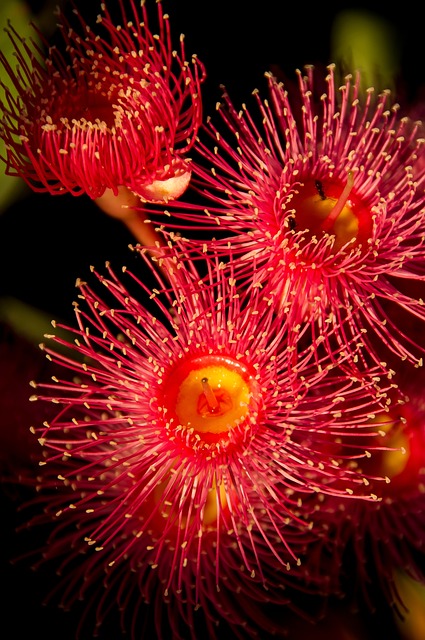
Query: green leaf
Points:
[19, 15]
[30, 323]
[363, 41]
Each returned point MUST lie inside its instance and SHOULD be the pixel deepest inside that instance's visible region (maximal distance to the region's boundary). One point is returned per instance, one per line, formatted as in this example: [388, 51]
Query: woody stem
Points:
[123, 207]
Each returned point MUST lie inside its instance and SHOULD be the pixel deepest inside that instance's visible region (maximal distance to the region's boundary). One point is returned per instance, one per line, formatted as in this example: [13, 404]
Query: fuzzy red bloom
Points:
[118, 108]
[182, 441]
[369, 544]
[327, 193]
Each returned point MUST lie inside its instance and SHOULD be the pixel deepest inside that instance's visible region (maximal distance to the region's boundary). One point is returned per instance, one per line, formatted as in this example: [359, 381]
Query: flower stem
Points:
[123, 207]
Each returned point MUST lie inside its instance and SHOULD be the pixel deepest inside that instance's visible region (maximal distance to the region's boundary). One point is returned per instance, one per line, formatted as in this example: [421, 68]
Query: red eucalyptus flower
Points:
[185, 443]
[327, 194]
[118, 108]
[371, 544]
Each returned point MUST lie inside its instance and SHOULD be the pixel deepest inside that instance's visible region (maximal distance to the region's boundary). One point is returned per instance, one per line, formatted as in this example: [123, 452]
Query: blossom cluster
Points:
[238, 415]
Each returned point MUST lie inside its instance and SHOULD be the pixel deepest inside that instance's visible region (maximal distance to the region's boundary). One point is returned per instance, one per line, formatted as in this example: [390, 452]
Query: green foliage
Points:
[364, 41]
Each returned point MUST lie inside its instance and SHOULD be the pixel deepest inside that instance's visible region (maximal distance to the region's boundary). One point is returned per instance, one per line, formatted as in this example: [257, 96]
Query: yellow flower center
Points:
[209, 394]
[330, 207]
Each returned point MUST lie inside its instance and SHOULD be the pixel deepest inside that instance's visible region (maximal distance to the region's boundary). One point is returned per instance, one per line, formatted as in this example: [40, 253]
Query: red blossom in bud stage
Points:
[327, 193]
[194, 428]
[119, 107]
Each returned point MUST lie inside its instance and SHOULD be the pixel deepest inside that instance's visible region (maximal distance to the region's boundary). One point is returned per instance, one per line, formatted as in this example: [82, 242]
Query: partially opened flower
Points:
[119, 107]
[371, 544]
[195, 426]
[327, 193]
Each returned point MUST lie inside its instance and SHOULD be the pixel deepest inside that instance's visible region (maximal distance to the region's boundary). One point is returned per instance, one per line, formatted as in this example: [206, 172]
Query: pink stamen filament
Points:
[209, 395]
[340, 204]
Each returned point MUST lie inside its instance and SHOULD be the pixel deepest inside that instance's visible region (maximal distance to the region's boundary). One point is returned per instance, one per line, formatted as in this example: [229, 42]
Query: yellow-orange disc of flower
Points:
[210, 394]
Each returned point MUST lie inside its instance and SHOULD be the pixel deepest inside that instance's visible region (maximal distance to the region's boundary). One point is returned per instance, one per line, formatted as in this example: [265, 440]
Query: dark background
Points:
[47, 242]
